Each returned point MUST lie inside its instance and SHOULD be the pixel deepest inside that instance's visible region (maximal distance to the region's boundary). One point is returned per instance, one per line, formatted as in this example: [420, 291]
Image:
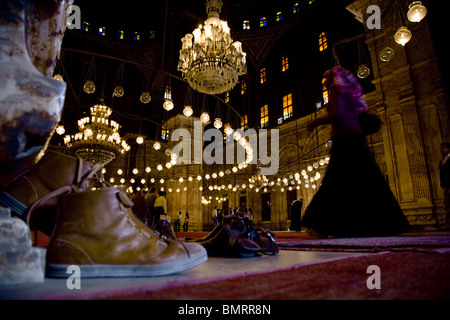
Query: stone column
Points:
[406, 86]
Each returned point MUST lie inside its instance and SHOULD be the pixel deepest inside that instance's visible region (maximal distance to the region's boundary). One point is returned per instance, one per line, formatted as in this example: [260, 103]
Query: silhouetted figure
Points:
[353, 199]
[296, 214]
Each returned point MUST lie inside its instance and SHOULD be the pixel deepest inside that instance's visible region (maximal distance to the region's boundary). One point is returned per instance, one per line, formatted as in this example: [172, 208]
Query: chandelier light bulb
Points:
[157, 145]
[140, 140]
[416, 11]
[218, 123]
[204, 117]
[402, 36]
[89, 87]
[145, 97]
[88, 132]
[187, 111]
[58, 77]
[168, 105]
[60, 130]
[228, 129]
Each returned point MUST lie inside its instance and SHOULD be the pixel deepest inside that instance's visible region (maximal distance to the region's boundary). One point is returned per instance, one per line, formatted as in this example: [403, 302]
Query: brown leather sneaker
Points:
[97, 231]
[53, 171]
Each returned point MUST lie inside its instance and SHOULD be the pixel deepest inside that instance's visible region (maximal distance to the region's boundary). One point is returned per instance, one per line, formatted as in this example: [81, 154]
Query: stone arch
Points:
[286, 154]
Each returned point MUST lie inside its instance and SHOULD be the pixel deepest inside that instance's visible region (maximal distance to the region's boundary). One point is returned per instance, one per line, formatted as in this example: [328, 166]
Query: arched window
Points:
[85, 26]
[263, 22]
[243, 87]
[324, 91]
[287, 106]
[265, 116]
[279, 16]
[284, 63]
[262, 75]
[244, 123]
[323, 43]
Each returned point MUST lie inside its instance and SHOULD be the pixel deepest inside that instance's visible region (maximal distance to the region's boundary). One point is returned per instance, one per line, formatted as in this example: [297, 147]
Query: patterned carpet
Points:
[412, 266]
[403, 276]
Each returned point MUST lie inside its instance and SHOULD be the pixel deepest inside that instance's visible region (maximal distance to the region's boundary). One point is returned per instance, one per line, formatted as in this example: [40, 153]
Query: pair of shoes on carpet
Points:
[235, 237]
[94, 229]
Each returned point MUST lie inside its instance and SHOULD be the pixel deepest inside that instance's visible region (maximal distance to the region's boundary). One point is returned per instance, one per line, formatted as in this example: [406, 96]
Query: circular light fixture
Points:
[60, 130]
[119, 91]
[402, 36]
[157, 145]
[218, 123]
[140, 140]
[187, 111]
[363, 71]
[387, 54]
[89, 87]
[204, 117]
[145, 97]
[416, 11]
[168, 105]
[228, 130]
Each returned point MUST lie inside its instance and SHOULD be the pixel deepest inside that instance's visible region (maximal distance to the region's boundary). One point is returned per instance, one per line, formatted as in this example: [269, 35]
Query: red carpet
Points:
[404, 276]
[413, 266]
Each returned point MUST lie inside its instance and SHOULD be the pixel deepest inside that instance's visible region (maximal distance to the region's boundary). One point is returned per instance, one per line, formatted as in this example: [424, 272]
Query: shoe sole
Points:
[130, 271]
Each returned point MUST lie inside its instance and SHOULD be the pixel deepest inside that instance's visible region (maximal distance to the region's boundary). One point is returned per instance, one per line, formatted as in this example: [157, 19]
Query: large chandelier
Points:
[209, 59]
[98, 140]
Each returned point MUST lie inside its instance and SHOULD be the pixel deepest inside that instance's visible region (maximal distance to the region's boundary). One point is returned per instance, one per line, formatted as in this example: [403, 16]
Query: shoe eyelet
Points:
[144, 234]
[132, 224]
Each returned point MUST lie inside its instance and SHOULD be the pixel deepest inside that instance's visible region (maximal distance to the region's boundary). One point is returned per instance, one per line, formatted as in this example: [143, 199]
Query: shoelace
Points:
[79, 184]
